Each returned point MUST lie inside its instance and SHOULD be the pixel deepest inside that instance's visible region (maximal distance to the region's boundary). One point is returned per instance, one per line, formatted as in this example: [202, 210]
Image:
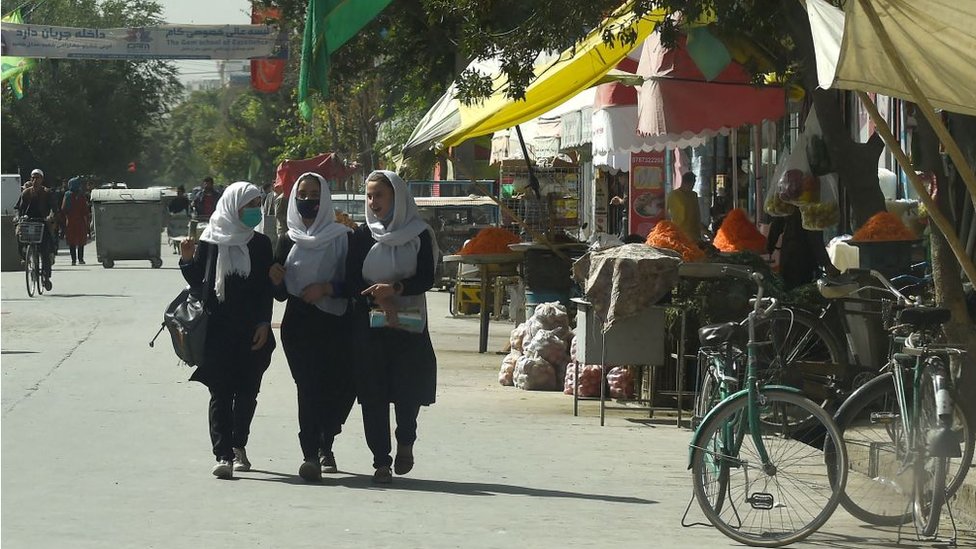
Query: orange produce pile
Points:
[667, 235]
[883, 226]
[738, 234]
[491, 240]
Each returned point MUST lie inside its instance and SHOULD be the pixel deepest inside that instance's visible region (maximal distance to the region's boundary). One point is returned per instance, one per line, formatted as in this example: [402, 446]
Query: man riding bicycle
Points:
[36, 203]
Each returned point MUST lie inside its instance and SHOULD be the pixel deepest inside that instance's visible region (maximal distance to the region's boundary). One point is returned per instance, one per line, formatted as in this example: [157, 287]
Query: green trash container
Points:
[128, 225]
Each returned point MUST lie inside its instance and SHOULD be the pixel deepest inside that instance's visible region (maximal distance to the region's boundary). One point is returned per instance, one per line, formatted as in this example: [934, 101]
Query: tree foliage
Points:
[87, 116]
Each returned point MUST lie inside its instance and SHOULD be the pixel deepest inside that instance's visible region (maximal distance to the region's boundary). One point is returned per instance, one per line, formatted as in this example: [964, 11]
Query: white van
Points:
[10, 188]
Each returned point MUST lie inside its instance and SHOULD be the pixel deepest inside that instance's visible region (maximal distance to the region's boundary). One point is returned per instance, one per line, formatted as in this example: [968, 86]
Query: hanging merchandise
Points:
[824, 213]
[796, 183]
[774, 204]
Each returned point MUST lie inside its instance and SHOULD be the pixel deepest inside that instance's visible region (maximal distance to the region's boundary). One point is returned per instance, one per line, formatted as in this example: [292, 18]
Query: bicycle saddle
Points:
[714, 335]
[837, 288]
[924, 317]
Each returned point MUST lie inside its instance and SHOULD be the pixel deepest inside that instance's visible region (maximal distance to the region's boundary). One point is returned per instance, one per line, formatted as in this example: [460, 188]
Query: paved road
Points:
[105, 444]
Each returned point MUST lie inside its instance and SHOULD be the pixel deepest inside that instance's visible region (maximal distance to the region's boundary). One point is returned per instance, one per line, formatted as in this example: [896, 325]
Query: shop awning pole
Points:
[933, 209]
[955, 153]
[533, 181]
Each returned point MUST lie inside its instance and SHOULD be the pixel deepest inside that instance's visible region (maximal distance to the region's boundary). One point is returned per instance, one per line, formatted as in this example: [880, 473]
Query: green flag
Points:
[328, 25]
[14, 68]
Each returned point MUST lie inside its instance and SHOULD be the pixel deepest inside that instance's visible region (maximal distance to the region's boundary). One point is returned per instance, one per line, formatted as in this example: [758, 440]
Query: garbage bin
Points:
[127, 225]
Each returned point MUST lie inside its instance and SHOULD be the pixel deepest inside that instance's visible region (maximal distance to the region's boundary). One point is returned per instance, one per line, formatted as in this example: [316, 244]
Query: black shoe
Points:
[310, 472]
[403, 462]
[382, 475]
[73, 263]
[328, 462]
[81, 261]
[47, 284]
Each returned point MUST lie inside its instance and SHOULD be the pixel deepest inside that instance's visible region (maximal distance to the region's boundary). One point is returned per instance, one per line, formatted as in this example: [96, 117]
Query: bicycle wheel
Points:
[29, 273]
[929, 471]
[802, 353]
[767, 506]
[879, 485]
[708, 394]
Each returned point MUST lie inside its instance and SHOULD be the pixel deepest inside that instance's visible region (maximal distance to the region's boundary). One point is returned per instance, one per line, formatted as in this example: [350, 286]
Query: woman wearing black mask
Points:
[309, 273]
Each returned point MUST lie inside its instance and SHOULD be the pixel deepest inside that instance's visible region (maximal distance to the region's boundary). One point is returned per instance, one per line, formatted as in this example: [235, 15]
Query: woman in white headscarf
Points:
[391, 266]
[309, 273]
[233, 261]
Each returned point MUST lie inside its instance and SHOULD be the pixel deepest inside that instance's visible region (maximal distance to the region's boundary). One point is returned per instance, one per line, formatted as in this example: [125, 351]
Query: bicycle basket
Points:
[30, 232]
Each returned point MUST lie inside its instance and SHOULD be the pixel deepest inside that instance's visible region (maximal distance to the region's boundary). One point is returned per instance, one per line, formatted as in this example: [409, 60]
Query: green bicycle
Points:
[909, 441]
[759, 460]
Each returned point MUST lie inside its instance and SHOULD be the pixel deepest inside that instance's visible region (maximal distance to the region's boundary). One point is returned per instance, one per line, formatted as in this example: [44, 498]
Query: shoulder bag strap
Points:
[211, 253]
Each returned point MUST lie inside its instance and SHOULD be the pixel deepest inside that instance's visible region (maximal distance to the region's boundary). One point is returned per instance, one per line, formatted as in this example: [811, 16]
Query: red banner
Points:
[266, 74]
[646, 200]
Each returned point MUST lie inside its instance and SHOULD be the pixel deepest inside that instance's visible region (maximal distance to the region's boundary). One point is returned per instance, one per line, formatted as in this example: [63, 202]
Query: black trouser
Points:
[231, 412]
[376, 422]
[46, 249]
[315, 346]
[77, 253]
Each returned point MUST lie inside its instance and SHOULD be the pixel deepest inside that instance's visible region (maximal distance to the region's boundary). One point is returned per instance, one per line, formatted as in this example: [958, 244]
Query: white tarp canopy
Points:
[936, 39]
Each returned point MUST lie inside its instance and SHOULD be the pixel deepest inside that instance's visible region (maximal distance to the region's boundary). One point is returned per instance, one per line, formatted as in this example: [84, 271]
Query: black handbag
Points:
[186, 319]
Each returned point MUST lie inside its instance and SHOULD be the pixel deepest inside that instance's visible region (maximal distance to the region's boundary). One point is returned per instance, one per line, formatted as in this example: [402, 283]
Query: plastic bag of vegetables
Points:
[549, 345]
[621, 382]
[793, 181]
[824, 212]
[506, 376]
[548, 316]
[589, 383]
[517, 337]
[533, 373]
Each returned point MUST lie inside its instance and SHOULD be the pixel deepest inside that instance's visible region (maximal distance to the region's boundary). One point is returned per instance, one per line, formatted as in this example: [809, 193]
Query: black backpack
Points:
[186, 319]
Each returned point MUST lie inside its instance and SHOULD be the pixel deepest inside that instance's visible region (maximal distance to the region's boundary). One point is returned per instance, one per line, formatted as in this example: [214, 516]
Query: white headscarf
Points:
[394, 256]
[319, 253]
[231, 235]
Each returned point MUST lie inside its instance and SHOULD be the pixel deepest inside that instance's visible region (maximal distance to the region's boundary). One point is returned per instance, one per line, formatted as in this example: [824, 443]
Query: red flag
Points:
[266, 74]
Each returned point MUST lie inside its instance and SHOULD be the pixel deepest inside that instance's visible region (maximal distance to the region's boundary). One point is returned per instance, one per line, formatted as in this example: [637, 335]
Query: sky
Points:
[204, 12]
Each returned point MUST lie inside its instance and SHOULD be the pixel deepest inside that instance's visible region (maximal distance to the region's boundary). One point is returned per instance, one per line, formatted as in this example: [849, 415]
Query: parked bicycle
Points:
[909, 442]
[801, 351]
[30, 233]
[759, 460]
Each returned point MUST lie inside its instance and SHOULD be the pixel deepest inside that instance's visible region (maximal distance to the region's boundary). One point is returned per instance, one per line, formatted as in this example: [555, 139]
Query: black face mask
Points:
[307, 208]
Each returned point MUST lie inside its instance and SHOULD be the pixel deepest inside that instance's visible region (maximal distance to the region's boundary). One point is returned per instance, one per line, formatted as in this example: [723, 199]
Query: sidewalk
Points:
[105, 444]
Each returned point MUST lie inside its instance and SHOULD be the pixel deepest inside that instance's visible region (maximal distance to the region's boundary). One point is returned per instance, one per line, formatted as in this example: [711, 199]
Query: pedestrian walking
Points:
[309, 273]
[239, 341]
[391, 266]
[76, 216]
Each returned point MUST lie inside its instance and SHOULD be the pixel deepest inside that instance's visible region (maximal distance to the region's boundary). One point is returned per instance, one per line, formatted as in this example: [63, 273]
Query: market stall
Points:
[487, 265]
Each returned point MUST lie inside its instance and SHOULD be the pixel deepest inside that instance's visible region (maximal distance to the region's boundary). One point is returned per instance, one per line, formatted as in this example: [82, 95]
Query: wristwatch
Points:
[398, 287]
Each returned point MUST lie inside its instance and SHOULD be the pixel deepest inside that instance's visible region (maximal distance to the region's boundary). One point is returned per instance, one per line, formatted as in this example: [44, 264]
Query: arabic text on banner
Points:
[164, 42]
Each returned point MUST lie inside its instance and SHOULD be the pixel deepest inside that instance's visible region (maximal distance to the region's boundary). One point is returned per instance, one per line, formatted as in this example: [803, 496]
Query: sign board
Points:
[162, 42]
[646, 199]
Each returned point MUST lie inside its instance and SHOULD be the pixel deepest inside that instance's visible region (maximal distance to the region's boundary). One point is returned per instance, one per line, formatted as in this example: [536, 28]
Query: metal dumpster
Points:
[127, 225]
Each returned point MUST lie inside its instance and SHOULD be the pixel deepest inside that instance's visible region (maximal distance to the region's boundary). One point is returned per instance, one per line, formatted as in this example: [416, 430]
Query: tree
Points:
[87, 116]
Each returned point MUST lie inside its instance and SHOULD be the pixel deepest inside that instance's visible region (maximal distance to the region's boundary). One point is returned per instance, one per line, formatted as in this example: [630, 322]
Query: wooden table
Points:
[484, 261]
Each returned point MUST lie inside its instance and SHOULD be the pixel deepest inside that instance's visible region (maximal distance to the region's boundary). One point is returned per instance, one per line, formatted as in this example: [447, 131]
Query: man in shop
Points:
[683, 209]
[802, 255]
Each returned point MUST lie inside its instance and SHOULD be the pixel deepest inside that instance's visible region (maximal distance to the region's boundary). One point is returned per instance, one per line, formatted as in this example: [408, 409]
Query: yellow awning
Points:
[576, 69]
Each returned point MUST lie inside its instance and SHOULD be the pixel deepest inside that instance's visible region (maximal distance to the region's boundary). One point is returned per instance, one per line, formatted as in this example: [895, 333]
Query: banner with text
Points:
[646, 198]
[163, 42]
